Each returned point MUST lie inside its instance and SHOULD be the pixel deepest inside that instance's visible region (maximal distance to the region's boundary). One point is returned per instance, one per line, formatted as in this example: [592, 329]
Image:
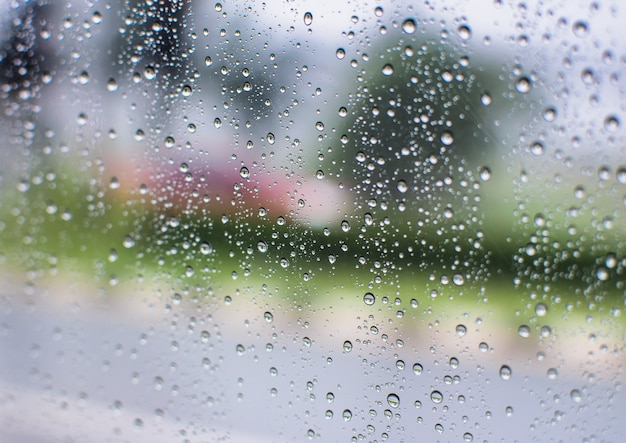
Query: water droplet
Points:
[458, 279]
[523, 331]
[448, 213]
[552, 373]
[206, 248]
[149, 73]
[268, 317]
[217, 123]
[409, 26]
[485, 98]
[611, 123]
[602, 273]
[208, 61]
[347, 415]
[244, 172]
[447, 138]
[319, 126]
[308, 18]
[347, 346]
[537, 148]
[464, 32]
[345, 226]
[461, 330]
[468, 437]
[111, 85]
[393, 400]
[262, 246]
[114, 183]
[505, 372]
[205, 336]
[319, 174]
[541, 309]
[549, 114]
[402, 186]
[436, 397]
[523, 85]
[240, 349]
[378, 11]
[580, 28]
[340, 53]
[186, 91]
[387, 69]
[369, 298]
[170, 142]
[128, 242]
[576, 395]
[342, 112]
[485, 173]
[418, 369]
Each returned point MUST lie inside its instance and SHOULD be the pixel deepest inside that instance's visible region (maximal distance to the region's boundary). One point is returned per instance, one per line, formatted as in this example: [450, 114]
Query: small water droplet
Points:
[340, 53]
[523, 85]
[461, 330]
[217, 123]
[206, 248]
[537, 148]
[308, 18]
[549, 114]
[485, 98]
[347, 415]
[149, 72]
[464, 32]
[402, 186]
[485, 173]
[393, 400]
[541, 309]
[345, 226]
[611, 123]
[268, 317]
[436, 397]
[111, 85]
[418, 369]
[128, 242]
[447, 138]
[244, 172]
[409, 26]
[319, 174]
[576, 395]
[505, 372]
[580, 28]
[387, 69]
[523, 331]
[468, 437]
[369, 298]
[186, 91]
[347, 346]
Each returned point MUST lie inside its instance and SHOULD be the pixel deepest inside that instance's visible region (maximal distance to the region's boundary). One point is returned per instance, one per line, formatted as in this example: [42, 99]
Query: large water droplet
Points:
[409, 26]
[387, 69]
[505, 372]
[523, 85]
[308, 18]
[369, 298]
[393, 400]
[436, 397]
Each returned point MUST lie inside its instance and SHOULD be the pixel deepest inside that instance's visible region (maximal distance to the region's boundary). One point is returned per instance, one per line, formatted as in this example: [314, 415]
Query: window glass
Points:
[290, 221]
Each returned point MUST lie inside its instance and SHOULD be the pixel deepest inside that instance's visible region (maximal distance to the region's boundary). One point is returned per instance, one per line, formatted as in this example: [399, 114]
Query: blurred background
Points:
[208, 207]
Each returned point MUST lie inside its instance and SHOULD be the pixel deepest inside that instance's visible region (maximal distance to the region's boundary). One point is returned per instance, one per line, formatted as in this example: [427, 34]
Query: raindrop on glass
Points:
[393, 400]
[505, 372]
[387, 69]
[409, 26]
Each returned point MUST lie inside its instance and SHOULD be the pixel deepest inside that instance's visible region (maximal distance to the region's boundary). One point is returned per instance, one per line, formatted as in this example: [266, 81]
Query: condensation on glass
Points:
[299, 221]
